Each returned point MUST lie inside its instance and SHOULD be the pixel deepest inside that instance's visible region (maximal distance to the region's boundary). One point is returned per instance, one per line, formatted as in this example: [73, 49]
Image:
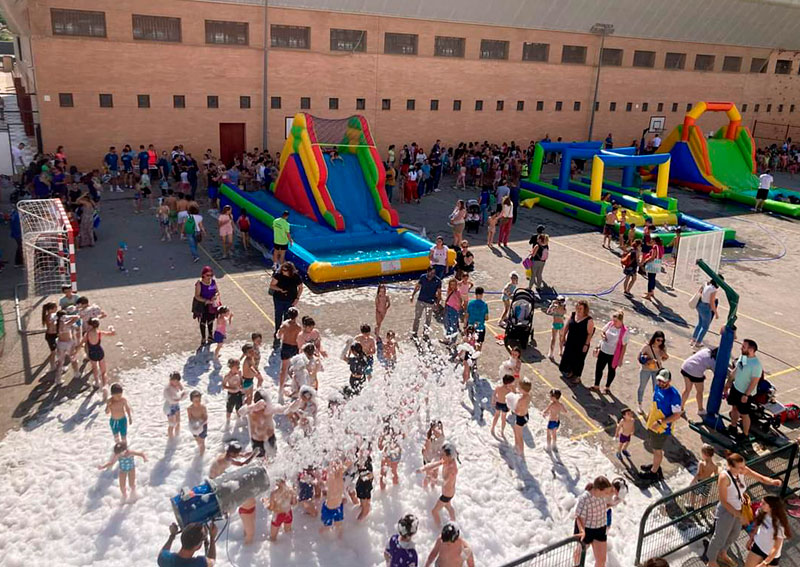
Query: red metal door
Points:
[231, 141]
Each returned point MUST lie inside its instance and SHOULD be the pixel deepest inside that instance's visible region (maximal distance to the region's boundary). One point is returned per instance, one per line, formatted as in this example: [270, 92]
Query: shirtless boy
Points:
[451, 550]
[521, 414]
[332, 514]
[499, 402]
[232, 384]
[261, 422]
[449, 466]
[197, 415]
[250, 372]
[280, 503]
[287, 333]
[120, 413]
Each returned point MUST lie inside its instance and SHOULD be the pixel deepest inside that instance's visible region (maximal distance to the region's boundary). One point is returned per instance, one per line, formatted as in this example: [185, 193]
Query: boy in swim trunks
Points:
[332, 513]
[449, 466]
[232, 384]
[256, 339]
[173, 394]
[499, 402]
[624, 432]
[182, 209]
[120, 413]
[287, 333]
[367, 342]
[280, 503]
[307, 483]
[250, 372]
[172, 205]
[197, 414]
[553, 414]
[521, 414]
[224, 460]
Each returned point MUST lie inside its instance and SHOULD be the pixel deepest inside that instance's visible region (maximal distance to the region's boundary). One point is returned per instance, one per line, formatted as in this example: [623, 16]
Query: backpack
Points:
[190, 226]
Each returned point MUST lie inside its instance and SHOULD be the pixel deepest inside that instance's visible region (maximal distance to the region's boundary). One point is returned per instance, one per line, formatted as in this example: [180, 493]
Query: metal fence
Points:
[767, 133]
[686, 516]
[560, 554]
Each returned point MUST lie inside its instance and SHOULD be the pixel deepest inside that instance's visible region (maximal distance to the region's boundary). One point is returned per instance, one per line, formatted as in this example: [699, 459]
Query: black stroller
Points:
[472, 222]
[519, 326]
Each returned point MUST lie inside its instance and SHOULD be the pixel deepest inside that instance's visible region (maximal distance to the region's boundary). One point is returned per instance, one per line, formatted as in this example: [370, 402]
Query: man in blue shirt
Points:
[741, 384]
[429, 288]
[111, 160]
[666, 410]
[477, 315]
[192, 539]
[144, 160]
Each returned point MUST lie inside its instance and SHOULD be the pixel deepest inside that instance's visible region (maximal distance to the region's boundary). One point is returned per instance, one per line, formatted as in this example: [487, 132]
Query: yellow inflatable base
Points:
[529, 203]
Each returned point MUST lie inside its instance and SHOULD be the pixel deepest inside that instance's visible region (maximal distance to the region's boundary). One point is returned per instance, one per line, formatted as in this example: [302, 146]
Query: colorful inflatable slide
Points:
[590, 199]
[342, 223]
[724, 165]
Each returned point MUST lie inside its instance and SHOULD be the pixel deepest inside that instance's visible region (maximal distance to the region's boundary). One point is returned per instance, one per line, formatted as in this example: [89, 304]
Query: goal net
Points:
[707, 247]
[48, 246]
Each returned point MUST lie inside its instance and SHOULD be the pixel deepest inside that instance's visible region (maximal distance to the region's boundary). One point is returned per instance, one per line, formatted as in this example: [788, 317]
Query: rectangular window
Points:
[500, 105]
[348, 40]
[783, 66]
[305, 102]
[769, 108]
[78, 22]
[596, 106]
[478, 105]
[244, 102]
[400, 43]
[758, 65]
[535, 51]
[212, 101]
[660, 107]
[290, 37]
[628, 107]
[178, 101]
[674, 107]
[559, 105]
[494, 49]
[434, 104]
[444, 46]
[106, 101]
[411, 104]
[744, 107]
[780, 108]
[386, 104]
[227, 33]
[539, 105]
[612, 106]
[361, 104]
[156, 28]
[644, 59]
[333, 104]
[791, 108]
[143, 101]
[573, 54]
[688, 107]
[520, 105]
[704, 62]
[576, 106]
[756, 108]
[65, 100]
[275, 102]
[457, 105]
[732, 64]
[611, 57]
[645, 106]
[675, 61]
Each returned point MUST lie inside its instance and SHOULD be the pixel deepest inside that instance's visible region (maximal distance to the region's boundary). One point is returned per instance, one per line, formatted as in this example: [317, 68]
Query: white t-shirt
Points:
[705, 296]
[765, 181]
[412, 175]
[439, 256]
[656, 142]
[609, 344]
[17, 155]
[765, 536]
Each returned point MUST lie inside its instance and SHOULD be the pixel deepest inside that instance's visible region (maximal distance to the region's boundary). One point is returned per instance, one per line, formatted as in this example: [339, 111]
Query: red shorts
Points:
[280, 519]
[245, 511]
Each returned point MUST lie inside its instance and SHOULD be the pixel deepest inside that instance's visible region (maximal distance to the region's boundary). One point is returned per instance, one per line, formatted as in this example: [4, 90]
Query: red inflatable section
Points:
[287, 189]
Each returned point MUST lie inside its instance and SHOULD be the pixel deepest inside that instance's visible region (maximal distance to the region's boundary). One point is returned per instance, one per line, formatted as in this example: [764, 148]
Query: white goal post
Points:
[48, 246]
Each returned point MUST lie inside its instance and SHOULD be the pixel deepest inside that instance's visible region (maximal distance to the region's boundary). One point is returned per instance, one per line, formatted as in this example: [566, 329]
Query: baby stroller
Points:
[519, 326]
[473, 219]
[767, 411]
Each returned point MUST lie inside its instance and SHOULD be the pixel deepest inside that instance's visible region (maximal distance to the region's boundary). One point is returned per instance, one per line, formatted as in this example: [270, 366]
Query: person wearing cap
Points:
[541, 249]
[451, 550]
[281, 239]
[664, 411]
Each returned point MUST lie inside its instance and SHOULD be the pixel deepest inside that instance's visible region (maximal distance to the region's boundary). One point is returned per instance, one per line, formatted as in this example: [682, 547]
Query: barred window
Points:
[78, 22]
[333, 103]
[434, 104]
[227, 33]
[612, 106]
[305, 103]
[106, 101]
[400, 43]
[156, 28]
[65, 100]
[348, 40]
[456, 105]
[573, 54]
[244, 101]
[732, 64]
[386, 104]
[275, 102]
[758, 65]
[704, 62]
[520, 105]
[500, 105]
[791, 108]
[611, 57]
[143, 101]
[494, 49]
[644, 59]
[212, 101]
[449, 46]
[291, 37]
[535, 51]
[559, 106]
[539, 105]
[361, 104]
[675, 61]
[783, 66]
[178, 101]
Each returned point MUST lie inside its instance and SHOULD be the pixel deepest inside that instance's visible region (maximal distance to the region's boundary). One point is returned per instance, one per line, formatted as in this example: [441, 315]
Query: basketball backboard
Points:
[657, 124]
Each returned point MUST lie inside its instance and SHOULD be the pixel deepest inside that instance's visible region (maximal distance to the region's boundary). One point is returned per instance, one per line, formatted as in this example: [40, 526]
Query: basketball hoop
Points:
[657, 124]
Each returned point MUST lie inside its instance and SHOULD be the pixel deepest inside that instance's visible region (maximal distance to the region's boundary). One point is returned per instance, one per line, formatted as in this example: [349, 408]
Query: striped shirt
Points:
[592, 510]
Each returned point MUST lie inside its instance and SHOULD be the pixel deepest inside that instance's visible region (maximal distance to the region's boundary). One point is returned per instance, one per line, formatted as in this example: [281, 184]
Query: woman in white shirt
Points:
[772, 529]
[438, 257]
[611, 351]
[706, 312]
[506, 219]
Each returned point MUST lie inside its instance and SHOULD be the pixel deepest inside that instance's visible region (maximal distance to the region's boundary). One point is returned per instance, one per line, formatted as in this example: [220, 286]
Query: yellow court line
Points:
[233, 280]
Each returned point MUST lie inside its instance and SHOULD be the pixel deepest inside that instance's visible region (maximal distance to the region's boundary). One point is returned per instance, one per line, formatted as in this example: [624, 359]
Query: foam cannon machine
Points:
[220, 496]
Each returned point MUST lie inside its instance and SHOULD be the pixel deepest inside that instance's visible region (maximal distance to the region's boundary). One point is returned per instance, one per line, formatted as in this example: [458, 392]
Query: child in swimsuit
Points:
[306, 483]
[390, 349]
[94, 349]
[232, 384]
[432, 451]
[391, 453]
[287, 333]
[224, 318]
[127, 468]
[173, 394]
[382, 304]
[280, 503]
[499, 402]
[521, 414]
[508, 294]
[706, 468]
[163, 217]
[49, 322]
[65, 345]
[624, 432]
[120, 413]
[367, 342]
[310, 334]
[197, 415]
[249, 372]
[553, 414]
[557, 310]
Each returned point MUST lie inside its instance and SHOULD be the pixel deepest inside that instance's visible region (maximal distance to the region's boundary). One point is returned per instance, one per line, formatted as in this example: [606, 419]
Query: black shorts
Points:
[763, 555]
[608, 230]
[501, 406]
[762, 194]
[51, 339]
[235, 401]
[521, 420]
[364, 489]
[693, 379]
[146, 190]
[280, 246]
[288, 351]
[445, 499]
[592, 534]
[735, 399]
[481, 336]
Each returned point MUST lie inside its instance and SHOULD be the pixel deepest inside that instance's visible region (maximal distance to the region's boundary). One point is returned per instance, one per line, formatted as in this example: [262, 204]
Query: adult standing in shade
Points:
[577, 338]
[429, 288]
[540, 251]
[281, 239]
[286, 287]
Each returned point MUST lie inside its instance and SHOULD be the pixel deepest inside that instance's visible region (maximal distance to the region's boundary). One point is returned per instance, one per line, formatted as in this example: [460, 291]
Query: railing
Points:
[687, 515]
[559, 554]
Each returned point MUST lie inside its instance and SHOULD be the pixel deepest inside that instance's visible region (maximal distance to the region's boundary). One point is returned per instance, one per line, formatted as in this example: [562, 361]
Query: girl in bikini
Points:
[558, 310]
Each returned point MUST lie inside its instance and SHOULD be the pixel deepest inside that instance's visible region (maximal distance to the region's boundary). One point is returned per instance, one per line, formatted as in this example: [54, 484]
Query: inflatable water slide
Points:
[342, 223]
[724, 165]
[589, 199]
